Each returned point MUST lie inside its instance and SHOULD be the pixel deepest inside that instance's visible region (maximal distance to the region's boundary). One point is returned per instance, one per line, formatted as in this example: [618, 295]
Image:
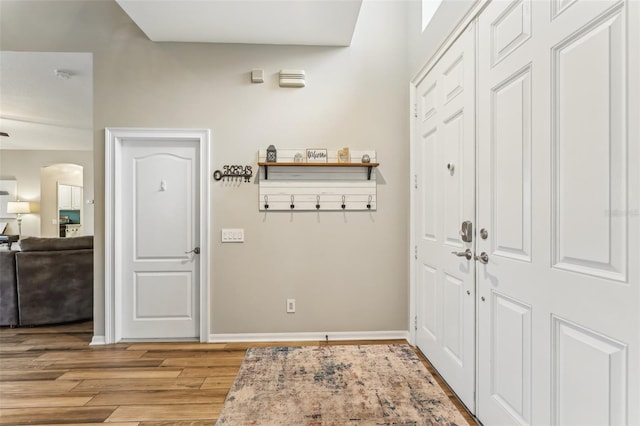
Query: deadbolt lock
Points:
[466, 231]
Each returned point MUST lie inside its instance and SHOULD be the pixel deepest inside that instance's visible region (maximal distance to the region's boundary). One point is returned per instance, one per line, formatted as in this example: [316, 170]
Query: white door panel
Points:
[160, 285]
[445, 197]
[559, 324]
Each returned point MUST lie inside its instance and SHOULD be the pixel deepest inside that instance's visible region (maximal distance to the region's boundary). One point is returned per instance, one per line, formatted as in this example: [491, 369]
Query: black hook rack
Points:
[234, 172]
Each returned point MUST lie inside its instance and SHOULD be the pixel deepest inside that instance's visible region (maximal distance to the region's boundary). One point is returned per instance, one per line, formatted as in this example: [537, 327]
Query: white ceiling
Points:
[40, 110]
[296, 22]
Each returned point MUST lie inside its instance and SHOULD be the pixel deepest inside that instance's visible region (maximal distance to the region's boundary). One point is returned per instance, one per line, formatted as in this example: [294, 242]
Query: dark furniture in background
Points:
[9, 239]
[52, 281]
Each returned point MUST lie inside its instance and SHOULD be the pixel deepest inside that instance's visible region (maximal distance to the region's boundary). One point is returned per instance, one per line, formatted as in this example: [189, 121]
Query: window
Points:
[429, 8]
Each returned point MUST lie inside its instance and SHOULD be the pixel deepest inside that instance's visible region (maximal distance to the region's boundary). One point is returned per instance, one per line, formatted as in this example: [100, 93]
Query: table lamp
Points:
[19, 208]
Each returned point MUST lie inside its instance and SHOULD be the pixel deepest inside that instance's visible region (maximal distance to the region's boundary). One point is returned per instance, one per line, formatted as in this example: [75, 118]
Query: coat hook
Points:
[369, 202]
[292, 205]
[318, 202]
[451, 167]
[343, 202]
[266, 202]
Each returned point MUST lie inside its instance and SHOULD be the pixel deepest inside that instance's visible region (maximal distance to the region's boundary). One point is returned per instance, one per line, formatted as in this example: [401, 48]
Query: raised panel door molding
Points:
[510, 30]
[589, 149]
[511, 165]
[511, 373]
[584, 359]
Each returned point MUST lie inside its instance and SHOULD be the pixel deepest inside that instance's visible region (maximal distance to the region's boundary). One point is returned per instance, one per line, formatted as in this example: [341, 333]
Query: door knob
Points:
[195, 250]
[483, 258]
[466, 253]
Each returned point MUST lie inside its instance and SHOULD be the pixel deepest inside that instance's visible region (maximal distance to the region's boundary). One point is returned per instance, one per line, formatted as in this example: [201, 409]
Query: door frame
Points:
[115, 138]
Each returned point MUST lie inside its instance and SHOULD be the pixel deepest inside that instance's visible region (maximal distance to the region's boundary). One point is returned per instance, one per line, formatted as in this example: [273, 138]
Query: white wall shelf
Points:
[332, 186]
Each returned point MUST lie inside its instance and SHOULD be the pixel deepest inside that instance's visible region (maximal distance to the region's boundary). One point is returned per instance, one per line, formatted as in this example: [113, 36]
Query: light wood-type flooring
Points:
[50, 375]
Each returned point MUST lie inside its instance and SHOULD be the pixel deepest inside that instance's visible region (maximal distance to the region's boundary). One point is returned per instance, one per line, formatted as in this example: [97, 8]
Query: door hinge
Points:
[415, 110]
[415, 252]
[415, 181]
[415, 323]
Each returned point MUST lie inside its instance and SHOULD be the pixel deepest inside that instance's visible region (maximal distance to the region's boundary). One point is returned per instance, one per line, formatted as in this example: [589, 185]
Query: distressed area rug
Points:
[336, 385]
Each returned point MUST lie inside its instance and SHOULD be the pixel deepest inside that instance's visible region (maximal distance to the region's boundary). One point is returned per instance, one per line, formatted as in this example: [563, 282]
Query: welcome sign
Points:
[316, 155]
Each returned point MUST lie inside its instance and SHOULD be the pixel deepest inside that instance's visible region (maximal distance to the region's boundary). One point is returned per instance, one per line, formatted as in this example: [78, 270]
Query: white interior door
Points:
[559, 329]
[159, 185]
[444, 198]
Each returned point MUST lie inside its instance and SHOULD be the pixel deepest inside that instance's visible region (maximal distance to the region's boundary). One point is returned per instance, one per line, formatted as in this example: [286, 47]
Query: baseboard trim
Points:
[98, 340]
[308, 336]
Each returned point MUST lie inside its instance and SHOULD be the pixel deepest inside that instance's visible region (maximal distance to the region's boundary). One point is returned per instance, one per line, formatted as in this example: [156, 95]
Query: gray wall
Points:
[348, 272]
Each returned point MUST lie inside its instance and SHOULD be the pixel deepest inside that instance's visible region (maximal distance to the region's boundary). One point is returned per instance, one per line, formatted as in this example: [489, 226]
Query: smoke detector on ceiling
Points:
[63, 74]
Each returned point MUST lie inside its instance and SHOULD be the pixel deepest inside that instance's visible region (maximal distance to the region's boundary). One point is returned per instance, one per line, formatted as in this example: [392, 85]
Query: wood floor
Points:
[50, 375]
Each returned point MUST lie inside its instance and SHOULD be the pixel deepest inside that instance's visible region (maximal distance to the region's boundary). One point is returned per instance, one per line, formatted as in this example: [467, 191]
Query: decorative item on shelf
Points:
[316, 155]
[366, 158]
[272, 154]
[298, 158]
[343, 155]
[235, 173]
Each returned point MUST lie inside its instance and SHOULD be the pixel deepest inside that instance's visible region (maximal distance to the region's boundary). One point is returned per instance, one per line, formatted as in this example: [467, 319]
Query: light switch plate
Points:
[235, 235]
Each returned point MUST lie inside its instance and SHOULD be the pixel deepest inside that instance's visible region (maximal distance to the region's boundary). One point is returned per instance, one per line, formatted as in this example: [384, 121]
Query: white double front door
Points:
[557, 303]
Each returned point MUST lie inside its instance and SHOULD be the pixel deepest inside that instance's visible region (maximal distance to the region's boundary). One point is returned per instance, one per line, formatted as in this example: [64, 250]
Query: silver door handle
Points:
[195, 250]
[467, 253]
[483, 258]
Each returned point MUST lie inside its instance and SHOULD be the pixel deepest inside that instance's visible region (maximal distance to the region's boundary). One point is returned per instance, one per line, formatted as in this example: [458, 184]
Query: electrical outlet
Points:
[291, 306]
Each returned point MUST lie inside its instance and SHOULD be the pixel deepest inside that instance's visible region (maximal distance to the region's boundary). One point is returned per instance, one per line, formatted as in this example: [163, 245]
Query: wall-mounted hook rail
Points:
[234, 172]
[317, 187]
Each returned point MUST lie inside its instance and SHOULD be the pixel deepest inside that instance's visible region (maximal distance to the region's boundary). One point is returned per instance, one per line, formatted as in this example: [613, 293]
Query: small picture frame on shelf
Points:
[343, 155]
[316, 155]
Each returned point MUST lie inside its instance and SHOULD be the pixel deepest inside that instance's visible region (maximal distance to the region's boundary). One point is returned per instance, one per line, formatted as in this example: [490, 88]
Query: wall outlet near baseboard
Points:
[291, 306]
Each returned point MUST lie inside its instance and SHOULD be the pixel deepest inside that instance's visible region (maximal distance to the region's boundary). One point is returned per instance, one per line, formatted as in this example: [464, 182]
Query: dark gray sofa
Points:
[53, 280]
[8, 289]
